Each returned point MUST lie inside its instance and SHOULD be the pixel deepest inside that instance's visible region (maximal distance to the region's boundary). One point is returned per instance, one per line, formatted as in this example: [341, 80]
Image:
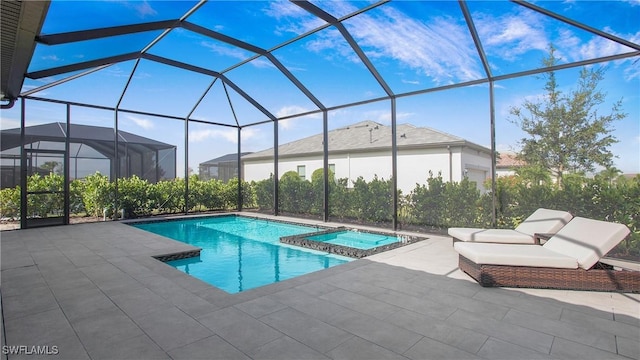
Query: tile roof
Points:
[224, 158]
[367, 136]
[508, 160]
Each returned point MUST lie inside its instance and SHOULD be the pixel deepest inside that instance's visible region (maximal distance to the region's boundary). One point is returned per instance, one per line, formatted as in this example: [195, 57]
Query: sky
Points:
[413, 45]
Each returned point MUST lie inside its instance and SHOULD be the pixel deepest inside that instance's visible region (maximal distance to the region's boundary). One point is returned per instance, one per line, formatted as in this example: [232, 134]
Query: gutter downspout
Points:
[9, 104]
[450, 163]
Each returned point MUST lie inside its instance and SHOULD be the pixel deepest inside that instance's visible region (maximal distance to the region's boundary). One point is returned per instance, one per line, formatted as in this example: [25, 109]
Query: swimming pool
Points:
[350, 242]
[355, 239]
[241, 253]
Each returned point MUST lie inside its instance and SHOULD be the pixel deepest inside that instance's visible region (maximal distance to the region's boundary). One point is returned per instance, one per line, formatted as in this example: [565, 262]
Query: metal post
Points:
[116, 159]
[492, 113]
[239, 169]
[156, 165]
[116, 166]
[325, 143]
[394, 164]
[23, 168]
[186, 166]
[276, 191]
[67, 194]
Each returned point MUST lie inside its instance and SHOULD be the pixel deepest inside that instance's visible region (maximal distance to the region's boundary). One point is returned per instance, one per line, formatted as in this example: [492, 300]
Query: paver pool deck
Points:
[94, 291]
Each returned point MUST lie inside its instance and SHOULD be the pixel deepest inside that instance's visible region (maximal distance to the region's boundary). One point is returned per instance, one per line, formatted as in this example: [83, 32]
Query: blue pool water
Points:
[354, 239]
[240, 253]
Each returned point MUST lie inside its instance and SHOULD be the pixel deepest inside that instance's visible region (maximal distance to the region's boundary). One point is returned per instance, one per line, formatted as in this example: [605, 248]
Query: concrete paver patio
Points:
[93, 291]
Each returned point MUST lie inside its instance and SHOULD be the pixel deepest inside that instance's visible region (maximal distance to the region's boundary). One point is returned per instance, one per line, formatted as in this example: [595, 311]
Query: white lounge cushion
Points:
[514, 255]
[544, 221]
[587, 240]
[491, 235]
[541, 221]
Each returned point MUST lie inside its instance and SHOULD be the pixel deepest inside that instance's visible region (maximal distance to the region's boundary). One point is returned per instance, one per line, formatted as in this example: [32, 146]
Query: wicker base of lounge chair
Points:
[549, 278]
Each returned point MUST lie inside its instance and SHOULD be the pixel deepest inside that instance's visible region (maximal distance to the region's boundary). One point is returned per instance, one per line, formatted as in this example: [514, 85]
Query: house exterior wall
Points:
[257, 170]
[505, 172]
[413, 166]
[476, 166]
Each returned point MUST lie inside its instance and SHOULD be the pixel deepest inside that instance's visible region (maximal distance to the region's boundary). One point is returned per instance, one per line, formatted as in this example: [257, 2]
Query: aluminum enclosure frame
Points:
[331, 21]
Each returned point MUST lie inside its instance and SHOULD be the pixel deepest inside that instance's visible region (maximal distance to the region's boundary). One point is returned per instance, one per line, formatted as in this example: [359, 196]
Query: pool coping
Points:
[207, 216]
[303, 240]
[177, 255]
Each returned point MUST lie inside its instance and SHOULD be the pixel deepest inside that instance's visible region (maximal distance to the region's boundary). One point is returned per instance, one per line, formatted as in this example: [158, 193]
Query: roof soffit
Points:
[21, 22]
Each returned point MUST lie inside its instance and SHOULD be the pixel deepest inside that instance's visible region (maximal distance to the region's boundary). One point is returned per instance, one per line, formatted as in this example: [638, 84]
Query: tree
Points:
[52, 166]
[609, 174]
[566, 132]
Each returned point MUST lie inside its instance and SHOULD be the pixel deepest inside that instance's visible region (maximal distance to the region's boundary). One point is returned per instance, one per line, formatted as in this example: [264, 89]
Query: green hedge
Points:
[433, 206]
[438, 205]
[137, 197]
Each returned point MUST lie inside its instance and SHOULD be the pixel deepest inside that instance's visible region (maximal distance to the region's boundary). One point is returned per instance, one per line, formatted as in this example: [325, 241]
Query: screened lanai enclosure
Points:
[431, 91]
[91, 149]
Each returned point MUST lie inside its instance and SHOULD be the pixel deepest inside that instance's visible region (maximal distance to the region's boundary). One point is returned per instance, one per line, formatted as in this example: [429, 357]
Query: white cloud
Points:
[236, 53]
[143, 8]
[293, 110]
[51, 58]
[6, 123]
[601, 47]
[223, 50]
[384, 116]
[117, 71]
[141, 122]
[293, 19]
[284, 9]
[262, 62]
[227, 134]
[632, 72]
[289, 124]
[511, 35]
[440, 49]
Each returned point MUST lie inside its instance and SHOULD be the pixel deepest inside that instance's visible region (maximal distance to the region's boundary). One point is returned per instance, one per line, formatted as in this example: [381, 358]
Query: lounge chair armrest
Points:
[537, 237]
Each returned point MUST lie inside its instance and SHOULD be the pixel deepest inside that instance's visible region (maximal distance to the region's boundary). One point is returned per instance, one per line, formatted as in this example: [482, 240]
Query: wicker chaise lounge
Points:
[568, 260]
[542, 221]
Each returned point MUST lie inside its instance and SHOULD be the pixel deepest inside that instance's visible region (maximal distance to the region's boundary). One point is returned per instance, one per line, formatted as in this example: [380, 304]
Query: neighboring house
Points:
[222, 168]
[364, 149]
[507, 164]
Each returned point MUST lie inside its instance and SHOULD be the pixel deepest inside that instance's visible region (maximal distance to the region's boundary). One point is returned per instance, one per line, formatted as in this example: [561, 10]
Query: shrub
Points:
[45, 204]
[76, 192]
[230, 189]
[264, 193]
[10, 203]
[461, 204]
[134, 197]
[427, 202]
[168, 196]
[436, 204]
[295, 193]
[372, 201]
[99, 194]
[212, 194]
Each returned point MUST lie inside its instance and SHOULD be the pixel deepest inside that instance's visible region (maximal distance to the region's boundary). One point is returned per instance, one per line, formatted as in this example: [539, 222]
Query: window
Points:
[302, 172]
[332, 168]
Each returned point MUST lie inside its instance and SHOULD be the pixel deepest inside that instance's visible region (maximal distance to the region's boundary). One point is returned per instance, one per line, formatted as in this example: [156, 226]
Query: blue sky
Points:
[413, 45]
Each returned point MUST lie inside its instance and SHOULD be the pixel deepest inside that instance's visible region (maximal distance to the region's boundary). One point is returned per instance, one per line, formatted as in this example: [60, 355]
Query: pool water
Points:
[355, 239]
[240, 253]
